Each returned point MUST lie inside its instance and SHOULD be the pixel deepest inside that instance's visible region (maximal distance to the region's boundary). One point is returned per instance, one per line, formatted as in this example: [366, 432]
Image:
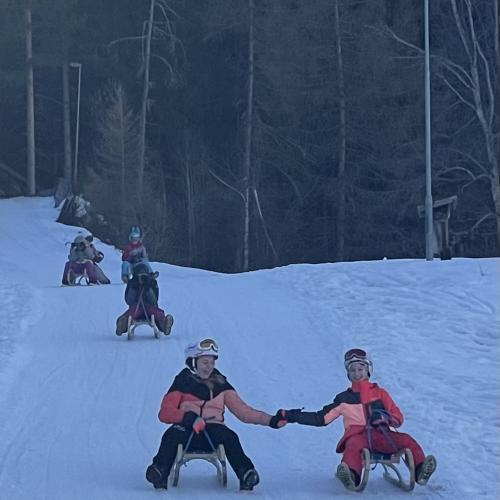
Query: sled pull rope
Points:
[140, 302]
[210, 442]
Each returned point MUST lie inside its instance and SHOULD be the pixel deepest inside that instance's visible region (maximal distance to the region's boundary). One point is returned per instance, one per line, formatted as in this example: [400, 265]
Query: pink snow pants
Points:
[79, 268]
[138, 313]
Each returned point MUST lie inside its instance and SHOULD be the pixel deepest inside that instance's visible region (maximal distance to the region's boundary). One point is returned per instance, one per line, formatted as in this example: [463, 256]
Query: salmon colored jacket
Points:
[355, 405]
[208, 399]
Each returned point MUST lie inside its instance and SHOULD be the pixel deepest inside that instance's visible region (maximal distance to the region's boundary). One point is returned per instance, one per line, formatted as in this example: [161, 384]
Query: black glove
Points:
[292, 416]
[278, 420]
[380, 417]
[189, 418]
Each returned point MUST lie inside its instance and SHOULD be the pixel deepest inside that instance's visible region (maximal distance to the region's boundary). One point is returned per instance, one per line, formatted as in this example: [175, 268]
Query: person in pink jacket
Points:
[369, 415]
[195, 402]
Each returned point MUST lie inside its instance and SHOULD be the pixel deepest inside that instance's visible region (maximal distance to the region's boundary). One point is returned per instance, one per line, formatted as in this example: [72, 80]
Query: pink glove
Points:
[199, 425]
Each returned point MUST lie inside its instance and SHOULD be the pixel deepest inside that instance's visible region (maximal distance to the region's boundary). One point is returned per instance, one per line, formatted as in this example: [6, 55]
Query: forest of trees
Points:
[245, 134]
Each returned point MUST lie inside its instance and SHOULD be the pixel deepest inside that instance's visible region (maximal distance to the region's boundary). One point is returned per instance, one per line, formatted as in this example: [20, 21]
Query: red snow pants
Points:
[380, 443]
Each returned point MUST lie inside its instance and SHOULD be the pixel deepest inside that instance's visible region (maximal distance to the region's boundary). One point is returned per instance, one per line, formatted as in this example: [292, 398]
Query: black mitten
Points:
[188, 419]
[292, 415]
[278, 420]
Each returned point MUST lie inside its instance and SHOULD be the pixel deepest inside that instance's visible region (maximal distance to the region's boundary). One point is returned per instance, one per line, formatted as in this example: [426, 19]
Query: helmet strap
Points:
[191, 364]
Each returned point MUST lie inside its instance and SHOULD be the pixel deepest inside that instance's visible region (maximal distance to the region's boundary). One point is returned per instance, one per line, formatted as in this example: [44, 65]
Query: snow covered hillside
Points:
[78, 405]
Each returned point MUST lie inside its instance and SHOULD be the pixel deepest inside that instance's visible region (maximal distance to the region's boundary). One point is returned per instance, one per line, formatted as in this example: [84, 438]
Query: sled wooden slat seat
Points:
[385, 457]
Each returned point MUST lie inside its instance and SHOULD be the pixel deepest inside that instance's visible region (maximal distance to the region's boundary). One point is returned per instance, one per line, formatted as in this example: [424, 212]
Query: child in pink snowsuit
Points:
[368, 412]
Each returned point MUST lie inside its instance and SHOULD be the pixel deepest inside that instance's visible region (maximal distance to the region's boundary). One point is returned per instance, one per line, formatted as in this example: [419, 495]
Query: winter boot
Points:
[167, 324]
[347, 476]
[249, 480]
[425, 470]
[121, 325]
[155, 476]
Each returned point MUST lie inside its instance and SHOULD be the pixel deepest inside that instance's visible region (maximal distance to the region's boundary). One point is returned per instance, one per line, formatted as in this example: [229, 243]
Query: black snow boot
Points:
[121, 325]
[167, 324]
[249, 480]
[157, 477]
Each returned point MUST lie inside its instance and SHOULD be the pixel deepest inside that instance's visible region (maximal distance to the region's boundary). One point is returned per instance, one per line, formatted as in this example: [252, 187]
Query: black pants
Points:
[219, 434]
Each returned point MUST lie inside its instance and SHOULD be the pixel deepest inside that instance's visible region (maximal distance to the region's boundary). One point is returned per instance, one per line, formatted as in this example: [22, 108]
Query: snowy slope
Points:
[78, 405]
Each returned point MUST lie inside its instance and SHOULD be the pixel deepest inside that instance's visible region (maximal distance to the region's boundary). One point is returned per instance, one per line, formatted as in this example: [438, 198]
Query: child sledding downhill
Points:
[134, 253]
[194, 407]
[82, 263]
[369, 415]
[141, 295]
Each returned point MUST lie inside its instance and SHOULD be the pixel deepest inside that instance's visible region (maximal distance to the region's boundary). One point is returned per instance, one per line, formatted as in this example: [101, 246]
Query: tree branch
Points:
[125, 39]
[14, 174]
[263, 222]
[165, 62]
[458, 94]
[222, 181]
[473, 160]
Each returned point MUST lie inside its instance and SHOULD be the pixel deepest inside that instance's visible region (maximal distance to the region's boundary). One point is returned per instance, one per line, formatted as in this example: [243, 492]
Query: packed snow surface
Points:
[78, 405]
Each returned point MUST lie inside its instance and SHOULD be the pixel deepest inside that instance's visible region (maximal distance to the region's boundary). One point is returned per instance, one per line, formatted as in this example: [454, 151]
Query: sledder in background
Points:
[370, 416]
[141, 295]
[134, 253]
[83, 262]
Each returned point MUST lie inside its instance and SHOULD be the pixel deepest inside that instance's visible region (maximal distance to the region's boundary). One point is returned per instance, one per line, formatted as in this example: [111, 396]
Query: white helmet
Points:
[205, 347]
[358, 356]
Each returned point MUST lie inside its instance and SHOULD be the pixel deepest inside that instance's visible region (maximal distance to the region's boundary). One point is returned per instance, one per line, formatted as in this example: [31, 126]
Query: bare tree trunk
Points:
[483, 96]
[30, 106]
[248, 139]
[191, 228]
[496, 23]
[144, 101]
[492, 152]
[495, 192]
[123, 165]
[340, 230]
[496, 181]
[66, 125]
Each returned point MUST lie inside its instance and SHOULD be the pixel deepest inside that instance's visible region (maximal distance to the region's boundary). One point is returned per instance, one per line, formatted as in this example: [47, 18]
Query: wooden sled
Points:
[388, 462]
[134, 323]
[217, 457]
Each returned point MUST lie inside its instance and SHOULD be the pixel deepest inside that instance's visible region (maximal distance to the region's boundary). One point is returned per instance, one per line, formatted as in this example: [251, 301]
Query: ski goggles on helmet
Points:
[354, 353]
[208, 344]
[205, 347]
[357, 356]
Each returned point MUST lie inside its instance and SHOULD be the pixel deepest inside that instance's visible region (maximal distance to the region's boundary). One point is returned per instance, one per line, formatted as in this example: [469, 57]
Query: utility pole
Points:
[429, 229]
[30, 106]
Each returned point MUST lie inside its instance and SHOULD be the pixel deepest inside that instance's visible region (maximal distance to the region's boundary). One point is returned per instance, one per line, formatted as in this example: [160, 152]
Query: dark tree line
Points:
[243, 134]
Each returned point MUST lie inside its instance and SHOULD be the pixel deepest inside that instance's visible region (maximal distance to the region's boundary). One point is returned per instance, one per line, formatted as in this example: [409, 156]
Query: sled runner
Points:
[134, 323]
[389, 463]
[74, 279]
[217, 457]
